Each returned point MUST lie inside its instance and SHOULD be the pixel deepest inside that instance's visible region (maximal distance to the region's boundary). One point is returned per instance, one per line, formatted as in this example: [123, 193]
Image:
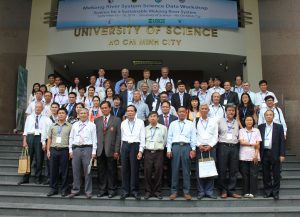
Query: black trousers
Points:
[35, 151]
[153, 164]
[271, 170]
[59, 166]
[107, 174]
[249, 173]
[167, 169]
[228, 160]
[130, 167]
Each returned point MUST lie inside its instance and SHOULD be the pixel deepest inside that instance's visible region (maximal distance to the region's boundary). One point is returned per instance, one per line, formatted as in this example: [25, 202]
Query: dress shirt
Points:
[74, 90]
[43, 126]
[97, 89]
[47, 111]
[49, 86]
[88, 103]
[63, 131]
[117, 86]
[101, 93]
[31, 99]
[278, 117]
[83, 133]
[228, 131]
[31, 108]
[182, 131]
[252, 137]
[238, 89]
[80, 99]
[55, 90]
[204, 97]
[156, 137]
[162, 83]
[252, 96]
[142, 110]
[207, 132]
[268, 136]
[61, 99]
[133, 131]
[212, 90]
[194, 92]
[144, 96]
[100, 81]
[129, 97]
[260, 98]
[216, 111]
[172, 111]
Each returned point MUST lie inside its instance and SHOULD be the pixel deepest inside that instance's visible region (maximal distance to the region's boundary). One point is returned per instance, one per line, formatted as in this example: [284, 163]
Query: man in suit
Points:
[181, 98]
[127, 96]
[146, 75]
[108, 149]
[272, 153]
[229, 96]
[153, 97]
[70, 106]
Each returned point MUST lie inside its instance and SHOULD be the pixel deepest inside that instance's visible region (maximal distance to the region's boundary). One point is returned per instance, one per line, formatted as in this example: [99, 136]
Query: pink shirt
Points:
[247, 152]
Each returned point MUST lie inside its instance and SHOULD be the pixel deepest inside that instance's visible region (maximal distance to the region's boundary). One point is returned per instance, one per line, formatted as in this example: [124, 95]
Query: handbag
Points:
[24, 162]
[207, 167]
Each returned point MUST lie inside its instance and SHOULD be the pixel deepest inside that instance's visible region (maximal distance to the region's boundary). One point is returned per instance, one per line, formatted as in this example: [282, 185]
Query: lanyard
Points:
[81, 127]
[268, 133]
[239, 89]
[115, 112]
[249, 137]
[245, 111]
[216, 111]
[70, 109]
[154, 97]
[181, 128]
[204, 127]
[229, 128]
[60, 98]
[227, 95]
[152, 134]
[131, 129]
[59, 131]
[90, 102]
[95, 112]
[203, 98]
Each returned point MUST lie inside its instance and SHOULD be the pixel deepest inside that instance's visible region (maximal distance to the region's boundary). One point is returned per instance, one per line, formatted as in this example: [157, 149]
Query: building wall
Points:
[14, 27]
[280, 33]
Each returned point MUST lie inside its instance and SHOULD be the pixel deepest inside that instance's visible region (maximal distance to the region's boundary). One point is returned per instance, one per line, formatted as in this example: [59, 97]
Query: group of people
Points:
[159, 125]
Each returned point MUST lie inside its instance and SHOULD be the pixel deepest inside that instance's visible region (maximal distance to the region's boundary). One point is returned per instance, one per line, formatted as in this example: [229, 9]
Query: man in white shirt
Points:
[260, 96]
[181, 146]
[203, 95]
[61, 97]
[82, 150]
[31, 107]
[142, 108]
[246, 89]
[207, 138]
[163, 96]
[196, 90]
[93, 80]
[162, 81]
[55, 90]
[278, 115]
[238, 87]
[34, 138]
[145, 91]
[216, 87]
[216, 110]
[133, 141]
[100, 80]
[48, 102]
[147, 80]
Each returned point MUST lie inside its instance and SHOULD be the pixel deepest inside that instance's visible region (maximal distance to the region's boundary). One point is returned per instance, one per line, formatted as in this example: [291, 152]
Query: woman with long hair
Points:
[95, 111]
[194, 110]
[35, 88]
[244, 109]
[75, 117]
[75, 86]
[110, 93]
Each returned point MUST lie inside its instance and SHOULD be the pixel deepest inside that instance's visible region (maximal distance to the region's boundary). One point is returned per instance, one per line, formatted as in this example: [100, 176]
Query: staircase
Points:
[30, 199]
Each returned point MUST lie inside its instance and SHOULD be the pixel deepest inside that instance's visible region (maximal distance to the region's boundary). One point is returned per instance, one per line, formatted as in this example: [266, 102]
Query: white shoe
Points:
[250, 196]
[246, 196]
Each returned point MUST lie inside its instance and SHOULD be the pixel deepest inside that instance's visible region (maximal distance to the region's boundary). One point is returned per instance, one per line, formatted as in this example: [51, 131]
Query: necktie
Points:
[105, 124]
[36, 125]
[101, 82]
[166, 121]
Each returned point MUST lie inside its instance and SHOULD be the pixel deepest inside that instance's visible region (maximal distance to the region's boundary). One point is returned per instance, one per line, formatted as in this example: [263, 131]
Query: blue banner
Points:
[193, 13]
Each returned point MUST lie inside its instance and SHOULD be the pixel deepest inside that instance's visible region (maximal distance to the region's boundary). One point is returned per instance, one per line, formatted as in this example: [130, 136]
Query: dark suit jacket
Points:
[232, 98]
[150, 99]
[278, 142]
[110, 140]
[175, 100]
[124, 97]
[161, 119]
[73, 109]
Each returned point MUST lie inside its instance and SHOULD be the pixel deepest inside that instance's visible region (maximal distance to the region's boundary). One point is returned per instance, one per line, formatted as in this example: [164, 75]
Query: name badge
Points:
[225, 101]
[205, 135]
[58, 140]
[267, 143]
[229, 136]
[37, 132]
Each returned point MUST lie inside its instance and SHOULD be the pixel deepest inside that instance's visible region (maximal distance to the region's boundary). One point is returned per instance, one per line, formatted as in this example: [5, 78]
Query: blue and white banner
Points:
[193, 13]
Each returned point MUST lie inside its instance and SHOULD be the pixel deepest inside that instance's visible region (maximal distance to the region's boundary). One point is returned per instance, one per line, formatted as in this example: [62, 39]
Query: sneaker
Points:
[250, 196]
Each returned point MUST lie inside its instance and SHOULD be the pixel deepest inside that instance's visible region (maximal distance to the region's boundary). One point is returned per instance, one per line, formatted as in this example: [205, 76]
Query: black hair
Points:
[73, 93]
[51, 75]
[105, 102]
[55, 103]
[263, 82]
[32, 92]
[132, 107]
[192, 99]
[62, 109]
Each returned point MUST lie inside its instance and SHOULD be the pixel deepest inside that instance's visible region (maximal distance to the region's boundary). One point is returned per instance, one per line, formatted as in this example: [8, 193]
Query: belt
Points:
[153, 151]
[32, 134]
[60, 148]
[131, 142]
[81, 146]
[180, 143]
[229, 144]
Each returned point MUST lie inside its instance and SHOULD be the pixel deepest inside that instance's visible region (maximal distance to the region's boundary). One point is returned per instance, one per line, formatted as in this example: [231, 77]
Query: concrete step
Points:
[140, 211]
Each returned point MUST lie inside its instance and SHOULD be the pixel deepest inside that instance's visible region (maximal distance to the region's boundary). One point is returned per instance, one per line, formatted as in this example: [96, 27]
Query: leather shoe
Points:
[137, 196]
[200, 196]
[211, 196]
[276, 197]
[88, 196]
[72, 195]
[101, 194]
[123, 196]
[64, 194]
[51, 193]
[173, 196]
[187, 196]
[23, 182]
[147, 196]
[224, 195]
[237, 196]
[46, 182]
[158, 196]
[37, 181]
[267, 195]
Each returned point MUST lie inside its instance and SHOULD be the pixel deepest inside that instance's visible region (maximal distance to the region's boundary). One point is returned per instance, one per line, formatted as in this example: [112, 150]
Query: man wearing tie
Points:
[100, 80]
[272, 153]
[70, 106]
[181, 98]
[108, 150]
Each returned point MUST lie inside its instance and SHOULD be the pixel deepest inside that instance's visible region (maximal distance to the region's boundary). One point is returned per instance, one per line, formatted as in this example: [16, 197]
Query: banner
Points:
[193, 13]
[21, 98]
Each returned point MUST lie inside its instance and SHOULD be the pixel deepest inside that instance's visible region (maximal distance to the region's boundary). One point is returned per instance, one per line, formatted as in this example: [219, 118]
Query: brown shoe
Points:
[237, 196]
[187, 196]
[224, 195]
[173, 196]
